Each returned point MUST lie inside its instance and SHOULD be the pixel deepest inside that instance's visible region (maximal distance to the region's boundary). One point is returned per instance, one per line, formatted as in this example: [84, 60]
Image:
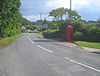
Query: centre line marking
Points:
[45, 49]
[40, 46]
[97, 70]
[31, 40]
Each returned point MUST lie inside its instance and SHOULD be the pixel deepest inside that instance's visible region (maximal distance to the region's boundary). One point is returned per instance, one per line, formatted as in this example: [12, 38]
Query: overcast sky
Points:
[88, 9]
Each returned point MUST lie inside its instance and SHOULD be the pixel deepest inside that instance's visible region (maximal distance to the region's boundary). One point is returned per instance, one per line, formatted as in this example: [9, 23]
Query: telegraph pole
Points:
[41, 21]
[40, 16]
[70, 10]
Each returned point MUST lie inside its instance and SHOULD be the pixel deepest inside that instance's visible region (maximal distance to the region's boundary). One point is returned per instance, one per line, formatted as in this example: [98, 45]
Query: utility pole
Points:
[40, 16]
[41, 21]
[70, 10]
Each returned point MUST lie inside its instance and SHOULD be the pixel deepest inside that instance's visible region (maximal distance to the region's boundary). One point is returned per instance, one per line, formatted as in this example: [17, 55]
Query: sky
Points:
[87, 9]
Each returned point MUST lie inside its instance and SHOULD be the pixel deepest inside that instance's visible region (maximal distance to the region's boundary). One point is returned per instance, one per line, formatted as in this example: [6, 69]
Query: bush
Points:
[94, 33]
[62, 26]
[79, 36]
[50, 33]
[63, 36]
[78, 25]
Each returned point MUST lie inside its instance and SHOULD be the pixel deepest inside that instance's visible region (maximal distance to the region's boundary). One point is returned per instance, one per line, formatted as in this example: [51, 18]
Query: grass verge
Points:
[40, 33]
[8, 40]
[89, 44]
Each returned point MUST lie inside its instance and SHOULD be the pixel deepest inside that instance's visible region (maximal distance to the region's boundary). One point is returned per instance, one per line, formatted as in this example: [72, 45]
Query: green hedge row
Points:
[92, 34]
[50, 33]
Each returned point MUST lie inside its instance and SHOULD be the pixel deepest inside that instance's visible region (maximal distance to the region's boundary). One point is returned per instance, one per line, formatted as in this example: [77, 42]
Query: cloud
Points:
[37, 17]
[57, 3]
[32, 17]
[88, 9]
[76, 4]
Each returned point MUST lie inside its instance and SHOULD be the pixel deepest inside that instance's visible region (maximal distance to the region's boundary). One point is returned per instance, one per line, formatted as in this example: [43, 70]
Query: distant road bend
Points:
[32, 56]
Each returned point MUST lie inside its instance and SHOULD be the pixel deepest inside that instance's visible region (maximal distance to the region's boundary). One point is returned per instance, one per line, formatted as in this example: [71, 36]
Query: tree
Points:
[59, 13]
[75, 15]
[98, 21]
[9, 17]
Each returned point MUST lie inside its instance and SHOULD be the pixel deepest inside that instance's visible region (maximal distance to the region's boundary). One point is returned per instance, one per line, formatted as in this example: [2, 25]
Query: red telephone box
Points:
[69, 33]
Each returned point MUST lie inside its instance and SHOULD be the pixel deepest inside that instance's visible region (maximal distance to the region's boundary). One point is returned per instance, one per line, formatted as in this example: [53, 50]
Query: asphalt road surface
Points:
[32, 56]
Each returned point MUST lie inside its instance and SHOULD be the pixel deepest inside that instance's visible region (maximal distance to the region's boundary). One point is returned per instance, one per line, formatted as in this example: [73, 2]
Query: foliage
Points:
[30, 27]
[26, 22]
[40, 33]
[58, 13]
[61, 13]
[79, 36]
[78, 25]
[9, 17]
[98, 21]
[83, 30]
[94, 33]
[62, 25]
[75, 16]
[50, 33]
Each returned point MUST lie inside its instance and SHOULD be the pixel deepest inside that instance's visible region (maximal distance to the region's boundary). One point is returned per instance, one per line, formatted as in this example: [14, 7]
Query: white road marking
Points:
[82, 64]
[97, 70]
[45, 49]
[40, 46]
[31, 40]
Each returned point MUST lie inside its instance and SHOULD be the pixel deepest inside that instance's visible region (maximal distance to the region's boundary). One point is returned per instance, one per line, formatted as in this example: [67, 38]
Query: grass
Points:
[8, 40]
[40, 33]
[89, 44]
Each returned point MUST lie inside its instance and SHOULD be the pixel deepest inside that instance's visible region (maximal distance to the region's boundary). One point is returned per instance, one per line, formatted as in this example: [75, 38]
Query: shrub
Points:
[77, 25]
[94, 33]
[62, 26]
[79, 36]
[63, 36]
[50, 33]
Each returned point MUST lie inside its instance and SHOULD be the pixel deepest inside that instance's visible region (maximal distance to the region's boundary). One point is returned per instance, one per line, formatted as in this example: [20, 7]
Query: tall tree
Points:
[59, 13]
[98, 21]
[9, 17]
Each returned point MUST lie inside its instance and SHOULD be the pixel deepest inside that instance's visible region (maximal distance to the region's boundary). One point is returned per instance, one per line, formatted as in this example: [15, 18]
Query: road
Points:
[32, 56]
